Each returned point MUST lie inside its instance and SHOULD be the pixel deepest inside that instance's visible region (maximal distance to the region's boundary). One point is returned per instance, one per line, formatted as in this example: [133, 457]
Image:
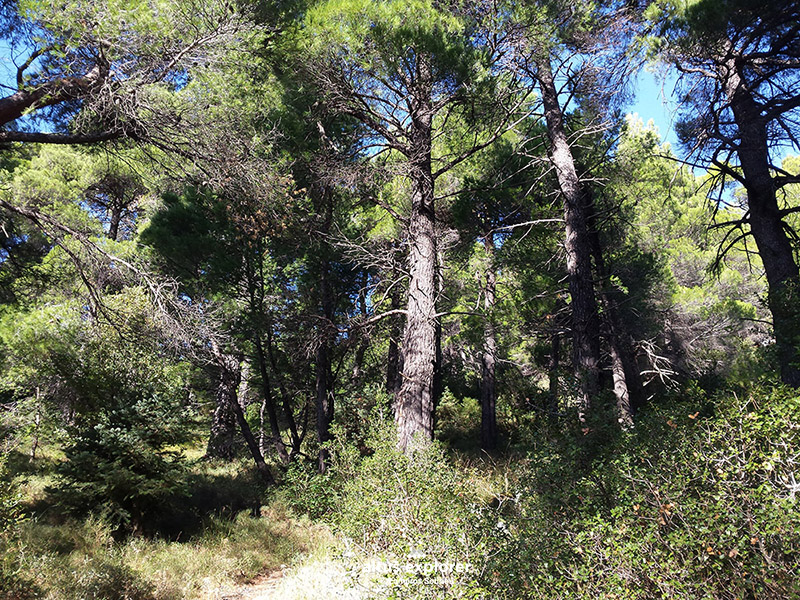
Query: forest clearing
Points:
[397, 299]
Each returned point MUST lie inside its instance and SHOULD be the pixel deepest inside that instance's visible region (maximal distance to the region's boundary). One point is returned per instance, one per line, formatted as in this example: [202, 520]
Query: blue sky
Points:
[654, 101]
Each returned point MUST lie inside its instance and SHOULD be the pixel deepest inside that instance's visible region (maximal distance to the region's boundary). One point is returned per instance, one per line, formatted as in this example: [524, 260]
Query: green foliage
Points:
[308, 492]
[12, 584]
[127, 400]
[10, 511]
[413, 511]
[699, 501]
[78, 560]
[458, 419]
[119, 464]
[381, 35]
[674, 283]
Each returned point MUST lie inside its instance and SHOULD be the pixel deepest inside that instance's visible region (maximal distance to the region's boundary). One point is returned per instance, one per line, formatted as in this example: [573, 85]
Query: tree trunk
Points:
[489, 354]
[324, 405]
[363, 342]
[230, 378]
[626, 382]
[221, 442]
[414, 402]
[115, 219]
[244, 386]
[252, 445]
[585, 326]
[438, 371]
[268, 402]
[324, 394]
[766, 225]
[286, 400]
[36, 423]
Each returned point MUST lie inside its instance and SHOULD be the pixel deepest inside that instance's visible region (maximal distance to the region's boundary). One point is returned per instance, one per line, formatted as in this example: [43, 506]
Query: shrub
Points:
[699, 501]
[418, 514]
[12, 583]
[119, 463]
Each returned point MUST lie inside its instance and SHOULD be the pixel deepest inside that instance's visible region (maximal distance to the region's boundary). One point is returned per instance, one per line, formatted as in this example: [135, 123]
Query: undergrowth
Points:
[698, 500]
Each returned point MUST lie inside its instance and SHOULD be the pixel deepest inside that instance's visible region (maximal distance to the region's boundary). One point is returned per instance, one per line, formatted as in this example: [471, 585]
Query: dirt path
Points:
[260, 588]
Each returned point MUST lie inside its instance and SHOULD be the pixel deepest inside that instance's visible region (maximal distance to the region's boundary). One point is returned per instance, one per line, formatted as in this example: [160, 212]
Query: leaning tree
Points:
[739, 67]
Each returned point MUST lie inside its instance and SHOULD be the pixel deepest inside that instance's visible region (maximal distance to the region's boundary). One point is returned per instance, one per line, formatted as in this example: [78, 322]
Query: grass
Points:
[224, 537]
[82, 561]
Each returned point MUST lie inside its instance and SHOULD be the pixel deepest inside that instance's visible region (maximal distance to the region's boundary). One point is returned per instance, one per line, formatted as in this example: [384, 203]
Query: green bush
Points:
[308, 492]
[458, 421]
[12, 583]
[699, 501]
[104, 579]
[418, 513]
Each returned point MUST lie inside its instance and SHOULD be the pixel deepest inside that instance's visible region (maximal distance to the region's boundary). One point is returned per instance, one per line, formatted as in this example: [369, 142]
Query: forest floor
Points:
[312, 579]
[262, 587]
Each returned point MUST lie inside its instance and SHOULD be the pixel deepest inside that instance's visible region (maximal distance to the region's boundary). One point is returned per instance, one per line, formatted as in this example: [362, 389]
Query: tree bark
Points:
[585, 325]
[626, 380]
[221, 442]
[363, 342]
[227, 393]
[286, 401]
[252, 445]
[414, 404]
[115, 219]
[268, 402]
[50, 93]
[766, 224]
[324, 396]
[324, 399]
[324, 404]
[36, 422]
[244, 386]
[489, 354]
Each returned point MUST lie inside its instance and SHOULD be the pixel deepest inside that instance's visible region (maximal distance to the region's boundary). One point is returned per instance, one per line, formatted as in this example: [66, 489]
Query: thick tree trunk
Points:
[766, 225]
[438, 367]
[221, 442]
[489, 354]
[414, 404]
[227, 393]
[585, 326]
[394, 362]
